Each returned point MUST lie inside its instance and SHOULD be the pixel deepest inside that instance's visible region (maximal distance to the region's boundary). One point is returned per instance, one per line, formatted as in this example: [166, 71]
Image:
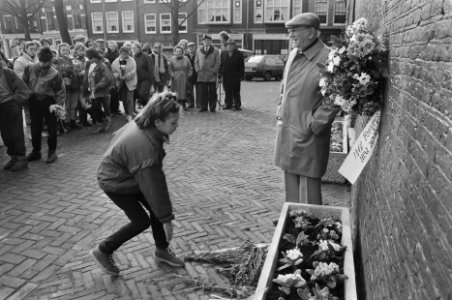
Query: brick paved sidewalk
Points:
[224, 189]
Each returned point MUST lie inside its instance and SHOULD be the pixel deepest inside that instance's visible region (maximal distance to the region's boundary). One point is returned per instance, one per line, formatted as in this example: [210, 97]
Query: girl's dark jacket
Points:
[133, 164]
[102, 78]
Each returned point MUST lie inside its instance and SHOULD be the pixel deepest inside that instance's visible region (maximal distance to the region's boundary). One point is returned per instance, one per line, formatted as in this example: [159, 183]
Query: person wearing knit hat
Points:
[302, 116]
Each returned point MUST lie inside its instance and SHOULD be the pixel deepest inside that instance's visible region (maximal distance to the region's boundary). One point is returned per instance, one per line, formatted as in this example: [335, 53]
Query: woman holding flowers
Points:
[304, 124]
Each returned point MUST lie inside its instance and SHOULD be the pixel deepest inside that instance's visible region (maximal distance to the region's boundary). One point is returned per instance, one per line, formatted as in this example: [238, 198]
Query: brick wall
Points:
[404, 207]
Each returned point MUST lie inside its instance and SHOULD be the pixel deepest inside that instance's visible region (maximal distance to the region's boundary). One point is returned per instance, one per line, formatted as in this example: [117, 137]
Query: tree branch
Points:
[192, 12]
[12, 7]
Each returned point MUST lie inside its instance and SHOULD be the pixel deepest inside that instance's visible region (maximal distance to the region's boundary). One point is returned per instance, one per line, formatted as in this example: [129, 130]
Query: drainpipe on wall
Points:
[104, 20]
[138, 21]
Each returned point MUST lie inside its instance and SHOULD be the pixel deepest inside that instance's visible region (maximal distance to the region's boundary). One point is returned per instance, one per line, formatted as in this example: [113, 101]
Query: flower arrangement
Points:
[311, 260]
[58, 110]
[353, 74]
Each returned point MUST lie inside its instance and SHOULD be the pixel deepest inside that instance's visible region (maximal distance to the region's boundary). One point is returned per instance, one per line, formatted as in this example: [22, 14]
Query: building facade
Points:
[45, 24]
[257, 25]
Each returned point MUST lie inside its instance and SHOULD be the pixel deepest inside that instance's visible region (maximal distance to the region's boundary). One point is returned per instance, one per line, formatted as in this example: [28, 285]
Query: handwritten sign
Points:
[362, 150]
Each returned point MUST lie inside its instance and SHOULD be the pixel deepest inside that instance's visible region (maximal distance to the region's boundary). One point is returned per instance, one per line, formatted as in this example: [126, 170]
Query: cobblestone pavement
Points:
[224, 189]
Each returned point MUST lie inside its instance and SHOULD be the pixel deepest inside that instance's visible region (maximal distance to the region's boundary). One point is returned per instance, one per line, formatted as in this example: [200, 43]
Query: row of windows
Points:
[145, 1]
[128, 22]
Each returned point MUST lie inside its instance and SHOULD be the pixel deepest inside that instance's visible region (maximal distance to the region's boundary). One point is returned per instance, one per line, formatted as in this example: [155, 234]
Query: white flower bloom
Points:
[339, 100]
[323, 92]
[323, 245]
[342, 50]
[336, 60]
[322, 82]
[330, 67]
[335, 246]
[332, 267]
[361, 22]
[294, 254]
[364, 78]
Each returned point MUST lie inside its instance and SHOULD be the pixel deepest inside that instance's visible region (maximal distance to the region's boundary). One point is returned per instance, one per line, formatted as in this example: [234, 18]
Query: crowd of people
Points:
[82, 85]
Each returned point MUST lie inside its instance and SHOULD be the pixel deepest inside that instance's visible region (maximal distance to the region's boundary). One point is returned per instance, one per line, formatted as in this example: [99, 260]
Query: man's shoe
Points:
[21, 163]
[167, 256]
[212, 110]
[202, 110]
[34, 156]
[51, 157]
[227, 107]
[237, 108]
[74, 125]
[105, 261]
[10, 163]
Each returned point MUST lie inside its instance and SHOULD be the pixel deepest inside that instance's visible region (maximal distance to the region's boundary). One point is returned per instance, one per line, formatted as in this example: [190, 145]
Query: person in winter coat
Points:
[207, 65]
[180, 70]
[47, 88]
[111, 55]
[191, 54]
[232, 71]
[124, 71]
[304, 123]
[13, 94]
[96, 86]
[64, 65]
[79, 62]
[160, 68]
[131, 175]
[145, 74]
[28, 57]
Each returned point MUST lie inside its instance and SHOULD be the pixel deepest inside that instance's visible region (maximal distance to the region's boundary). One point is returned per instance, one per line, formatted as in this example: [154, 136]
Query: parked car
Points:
[264, 66]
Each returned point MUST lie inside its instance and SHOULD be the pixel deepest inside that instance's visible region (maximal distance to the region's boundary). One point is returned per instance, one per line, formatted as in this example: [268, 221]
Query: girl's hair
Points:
[45, 54]
[111, 43]
[93, 53]
[79, 46]
[27, 45]
[124, 49]
[158, 108]
[61, 46]
[178, 47]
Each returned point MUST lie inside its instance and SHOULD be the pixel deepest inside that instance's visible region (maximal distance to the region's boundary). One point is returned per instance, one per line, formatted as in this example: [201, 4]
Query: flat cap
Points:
[206, 36]
[79, 37]
[191, 44]
[304, 20]
[100, 41]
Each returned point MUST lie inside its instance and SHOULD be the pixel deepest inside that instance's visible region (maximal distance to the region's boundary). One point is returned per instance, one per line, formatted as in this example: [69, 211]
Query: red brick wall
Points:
[404, 237]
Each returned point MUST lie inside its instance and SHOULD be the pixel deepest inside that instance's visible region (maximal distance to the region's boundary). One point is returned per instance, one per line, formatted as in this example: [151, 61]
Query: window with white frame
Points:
[277, 11]
[126, 0]
[169, 1]
[237, 12]
[165, 23]
[321, 9]
[214, 11]
[9, 22]
[297, 7]
[51, 19]
[258, 11]
[79, 17]
[150, 23]
[182, 21]
[97, 22]
[339, 12]
[112, 21]
[95, 1]
[149, 1]
[111, 1]
[128, 24]
[70, 17]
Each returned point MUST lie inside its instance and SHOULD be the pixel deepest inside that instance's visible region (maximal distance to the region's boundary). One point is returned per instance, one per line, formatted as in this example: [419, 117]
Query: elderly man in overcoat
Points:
[207, 65]
[303, 121]
[232, 71]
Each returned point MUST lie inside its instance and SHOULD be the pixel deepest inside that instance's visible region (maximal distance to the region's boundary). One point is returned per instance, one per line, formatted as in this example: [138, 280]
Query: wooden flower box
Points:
[271, 261]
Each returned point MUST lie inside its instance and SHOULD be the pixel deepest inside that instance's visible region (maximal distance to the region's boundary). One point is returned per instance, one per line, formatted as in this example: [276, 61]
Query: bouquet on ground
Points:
[352, 76]
[311, 264]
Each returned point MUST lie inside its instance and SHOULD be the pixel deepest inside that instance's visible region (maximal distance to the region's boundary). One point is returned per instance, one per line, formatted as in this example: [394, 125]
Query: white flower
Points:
[294, 254]
[290, 280]
[335, 246]
[323, 245]
[339, 100]
[323, 91]
[342, 50]
[336, 60]
[333, 267]
[323, 269]
[364, 78]
[322, 82]
[361, 22]
[330, 67]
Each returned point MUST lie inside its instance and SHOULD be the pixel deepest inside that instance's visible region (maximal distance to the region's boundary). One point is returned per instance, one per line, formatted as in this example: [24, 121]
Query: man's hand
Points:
[168, 227]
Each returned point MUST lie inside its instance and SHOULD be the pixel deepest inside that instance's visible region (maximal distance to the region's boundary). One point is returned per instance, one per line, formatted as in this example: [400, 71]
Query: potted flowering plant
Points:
[352, 76]
[310, 257]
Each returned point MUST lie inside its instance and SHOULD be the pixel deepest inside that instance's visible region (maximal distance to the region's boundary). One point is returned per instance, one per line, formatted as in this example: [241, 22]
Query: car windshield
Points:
[255, 59]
